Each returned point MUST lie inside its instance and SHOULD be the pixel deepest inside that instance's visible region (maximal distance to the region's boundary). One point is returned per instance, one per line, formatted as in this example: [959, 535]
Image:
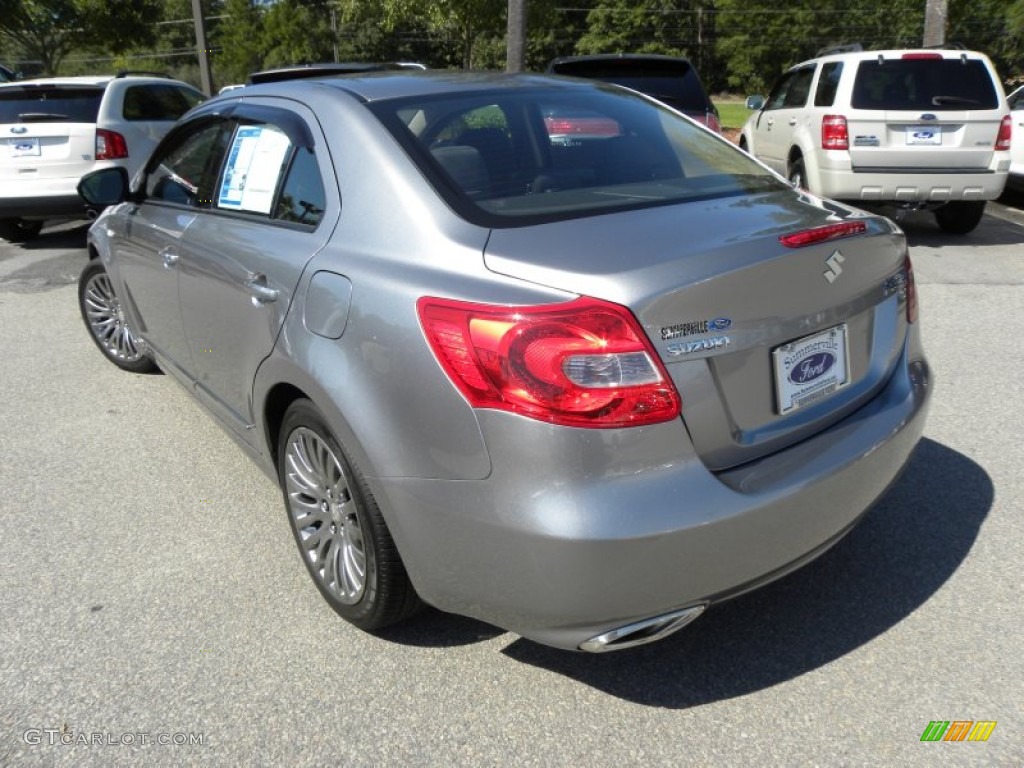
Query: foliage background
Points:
[739, 46]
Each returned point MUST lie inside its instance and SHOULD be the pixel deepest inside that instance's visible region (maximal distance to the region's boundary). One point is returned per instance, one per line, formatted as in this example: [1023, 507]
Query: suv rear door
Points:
[48, 130]
[923, 110]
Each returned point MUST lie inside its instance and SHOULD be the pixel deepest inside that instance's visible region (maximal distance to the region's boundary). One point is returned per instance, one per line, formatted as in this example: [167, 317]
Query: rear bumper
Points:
[579, 532]
[42, 206]
[838, 180]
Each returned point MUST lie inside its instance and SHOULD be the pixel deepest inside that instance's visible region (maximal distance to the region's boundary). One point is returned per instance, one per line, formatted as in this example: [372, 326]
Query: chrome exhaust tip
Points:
[642, 632]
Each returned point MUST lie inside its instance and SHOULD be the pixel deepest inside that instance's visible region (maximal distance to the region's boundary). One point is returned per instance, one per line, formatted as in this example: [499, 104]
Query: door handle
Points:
[792, 121]
[170, 257]
[260, 291]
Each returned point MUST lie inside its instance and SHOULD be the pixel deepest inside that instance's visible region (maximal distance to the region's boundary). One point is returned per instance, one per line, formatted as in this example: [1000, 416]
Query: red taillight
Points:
[920, 55]
[1005, 132]
[585, 363]
[711, 121]
[110, 145]
[908, 270]
[833, 132]
[820, 234]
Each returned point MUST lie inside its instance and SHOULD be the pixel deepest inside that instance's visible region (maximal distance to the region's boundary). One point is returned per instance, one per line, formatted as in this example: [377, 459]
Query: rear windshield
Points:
[49, 104]
[934, 85]
[505, 157]
[674, 81]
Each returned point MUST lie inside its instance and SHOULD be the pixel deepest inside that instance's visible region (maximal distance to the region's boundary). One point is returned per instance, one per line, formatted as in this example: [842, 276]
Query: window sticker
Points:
[254, 166]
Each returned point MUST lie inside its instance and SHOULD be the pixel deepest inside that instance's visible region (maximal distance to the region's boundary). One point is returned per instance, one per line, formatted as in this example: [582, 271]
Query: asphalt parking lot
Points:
[154, 611]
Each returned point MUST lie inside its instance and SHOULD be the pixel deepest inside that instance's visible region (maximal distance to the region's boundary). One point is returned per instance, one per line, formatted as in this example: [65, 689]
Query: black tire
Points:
[104, 319]
[797, 174]
[338, 526]
[19, 230]
[960, 217]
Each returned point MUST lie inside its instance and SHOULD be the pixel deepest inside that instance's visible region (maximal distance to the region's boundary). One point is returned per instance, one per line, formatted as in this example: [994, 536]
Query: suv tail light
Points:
[110, 145]
[584, 363]
[1005, 132]
[711, 121]
[834, 134]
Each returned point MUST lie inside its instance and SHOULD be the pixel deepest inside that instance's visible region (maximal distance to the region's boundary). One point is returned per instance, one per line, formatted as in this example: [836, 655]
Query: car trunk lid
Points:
[730, 309]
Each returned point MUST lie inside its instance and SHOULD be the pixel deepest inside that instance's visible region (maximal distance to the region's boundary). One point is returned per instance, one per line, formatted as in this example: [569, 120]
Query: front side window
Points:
[527, 155]
[183, 169]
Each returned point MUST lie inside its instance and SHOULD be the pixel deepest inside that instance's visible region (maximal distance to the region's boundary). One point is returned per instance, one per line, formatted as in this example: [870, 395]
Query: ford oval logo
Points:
[811, 368]
[19, 129]
[719, 324]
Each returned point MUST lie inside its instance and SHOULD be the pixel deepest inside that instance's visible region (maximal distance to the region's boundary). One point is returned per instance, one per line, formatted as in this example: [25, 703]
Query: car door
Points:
[175, 187]
[274, 207]
[774, 127]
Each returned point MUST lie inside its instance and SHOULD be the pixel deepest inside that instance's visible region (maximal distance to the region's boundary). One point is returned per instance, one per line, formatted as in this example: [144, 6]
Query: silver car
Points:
[578, 386]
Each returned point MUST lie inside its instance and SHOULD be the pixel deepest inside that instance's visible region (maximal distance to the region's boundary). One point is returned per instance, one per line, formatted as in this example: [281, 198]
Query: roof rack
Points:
[847, 48]
[143, 72]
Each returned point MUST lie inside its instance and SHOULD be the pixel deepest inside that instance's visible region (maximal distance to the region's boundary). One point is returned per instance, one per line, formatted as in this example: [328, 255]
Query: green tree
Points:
[297, 32]
[48, 30]
[239, 43]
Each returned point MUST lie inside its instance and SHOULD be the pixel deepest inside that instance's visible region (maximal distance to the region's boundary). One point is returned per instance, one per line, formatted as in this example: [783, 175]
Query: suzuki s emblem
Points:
[834, 270]
[19, 129]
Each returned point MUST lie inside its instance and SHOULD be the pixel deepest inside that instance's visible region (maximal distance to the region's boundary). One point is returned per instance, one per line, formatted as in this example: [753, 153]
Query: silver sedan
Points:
[538, 351]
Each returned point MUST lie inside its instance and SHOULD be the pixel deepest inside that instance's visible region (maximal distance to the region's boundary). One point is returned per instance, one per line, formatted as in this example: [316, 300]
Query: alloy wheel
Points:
[325, 515]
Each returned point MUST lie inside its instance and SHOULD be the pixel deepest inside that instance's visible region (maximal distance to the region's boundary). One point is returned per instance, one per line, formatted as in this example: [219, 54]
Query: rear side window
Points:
[926, 84]
[158, 102]
[828, 84]
[49, 104]
[673, 81]
[302, 199]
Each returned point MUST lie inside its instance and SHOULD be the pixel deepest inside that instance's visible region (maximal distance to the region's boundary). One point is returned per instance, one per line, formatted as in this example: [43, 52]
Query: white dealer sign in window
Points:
[254, 166]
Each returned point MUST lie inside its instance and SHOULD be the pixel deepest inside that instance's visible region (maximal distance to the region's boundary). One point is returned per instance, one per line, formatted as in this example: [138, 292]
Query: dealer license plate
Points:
[24, 147]
[810, 369]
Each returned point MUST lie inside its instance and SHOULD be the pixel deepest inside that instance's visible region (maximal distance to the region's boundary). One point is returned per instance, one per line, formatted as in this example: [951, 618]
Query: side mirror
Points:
[108, 186]
[755, 102]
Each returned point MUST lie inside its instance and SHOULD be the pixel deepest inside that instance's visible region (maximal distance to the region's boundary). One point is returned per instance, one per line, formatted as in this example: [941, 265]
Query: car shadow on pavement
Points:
[64, 236]
[904, 550]
[921, 230]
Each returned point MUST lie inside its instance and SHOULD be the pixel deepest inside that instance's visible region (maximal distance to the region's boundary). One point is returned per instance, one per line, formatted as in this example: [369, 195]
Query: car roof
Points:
[617, 57]
[96, 80]
[378, 86]
[890, 53]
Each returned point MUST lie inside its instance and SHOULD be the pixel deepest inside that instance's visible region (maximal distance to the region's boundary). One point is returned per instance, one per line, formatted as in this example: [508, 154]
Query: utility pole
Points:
[934, 23]
[204, 54]
[516, 56]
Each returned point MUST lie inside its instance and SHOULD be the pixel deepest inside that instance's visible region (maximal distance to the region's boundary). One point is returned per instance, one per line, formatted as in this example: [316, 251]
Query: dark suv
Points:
[669, 79]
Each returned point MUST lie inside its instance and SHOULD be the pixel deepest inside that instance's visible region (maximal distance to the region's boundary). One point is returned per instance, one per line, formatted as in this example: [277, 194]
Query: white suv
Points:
[913, 128]
[55, 130]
